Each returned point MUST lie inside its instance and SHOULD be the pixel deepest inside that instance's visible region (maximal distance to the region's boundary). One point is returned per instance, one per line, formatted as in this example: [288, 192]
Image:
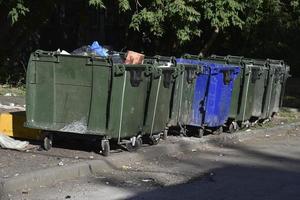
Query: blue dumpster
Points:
[212, 96]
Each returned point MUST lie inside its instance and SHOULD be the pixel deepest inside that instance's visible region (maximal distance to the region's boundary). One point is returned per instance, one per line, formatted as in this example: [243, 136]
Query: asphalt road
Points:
[264, 166]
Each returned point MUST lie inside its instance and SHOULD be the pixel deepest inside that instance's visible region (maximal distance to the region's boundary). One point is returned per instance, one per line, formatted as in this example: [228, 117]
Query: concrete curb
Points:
[53, 175]
[50, 176]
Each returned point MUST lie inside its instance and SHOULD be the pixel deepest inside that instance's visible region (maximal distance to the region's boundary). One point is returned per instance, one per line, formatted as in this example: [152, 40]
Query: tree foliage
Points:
[257, 28]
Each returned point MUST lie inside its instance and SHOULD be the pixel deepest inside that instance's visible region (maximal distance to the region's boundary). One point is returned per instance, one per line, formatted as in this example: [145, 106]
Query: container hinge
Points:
[190, 76]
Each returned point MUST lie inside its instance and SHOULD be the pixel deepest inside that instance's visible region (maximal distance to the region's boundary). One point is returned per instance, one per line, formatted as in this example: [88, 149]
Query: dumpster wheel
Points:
[200, 132]
[165, 134]
[138, 143]
[154, 140]
[105, 147]
[47, 141]
[233, 127]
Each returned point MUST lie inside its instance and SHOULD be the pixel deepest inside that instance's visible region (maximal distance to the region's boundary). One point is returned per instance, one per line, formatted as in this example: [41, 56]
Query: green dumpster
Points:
[86, 95]
[183, 94]
[261, 75]
[269, 92]
[286, 76]
[159, 98]
[243, 92]
[280, 71]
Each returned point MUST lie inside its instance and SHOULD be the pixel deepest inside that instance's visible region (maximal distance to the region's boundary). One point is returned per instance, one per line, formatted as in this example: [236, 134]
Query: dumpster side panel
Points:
[199, 101]
[236, 95]
[72, 80]
[127, 106]
[259, 90]
[40, 92]
[97, 121]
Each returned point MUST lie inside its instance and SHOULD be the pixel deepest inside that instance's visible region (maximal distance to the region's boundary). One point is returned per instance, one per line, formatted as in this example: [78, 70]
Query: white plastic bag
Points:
[10, 143]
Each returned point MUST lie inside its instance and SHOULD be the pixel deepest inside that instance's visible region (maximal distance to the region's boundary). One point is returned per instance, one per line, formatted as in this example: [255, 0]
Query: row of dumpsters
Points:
[128, 104]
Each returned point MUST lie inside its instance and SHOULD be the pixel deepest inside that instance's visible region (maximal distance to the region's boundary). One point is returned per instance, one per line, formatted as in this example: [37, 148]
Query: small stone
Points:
[17, 174]
[267, 135]
[60, 163]
[68, 197]
[194, 150]
[76, 157]
[91, 157]
[107, 183]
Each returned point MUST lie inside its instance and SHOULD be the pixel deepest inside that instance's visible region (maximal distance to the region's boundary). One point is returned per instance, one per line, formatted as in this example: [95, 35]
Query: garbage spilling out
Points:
[7, 142]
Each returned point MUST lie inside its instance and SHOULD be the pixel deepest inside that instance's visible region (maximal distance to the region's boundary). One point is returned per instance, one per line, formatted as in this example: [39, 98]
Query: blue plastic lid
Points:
[214, 67]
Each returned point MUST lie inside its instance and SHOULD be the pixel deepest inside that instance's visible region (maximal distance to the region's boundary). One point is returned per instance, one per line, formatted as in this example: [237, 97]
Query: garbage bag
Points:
[82, 51]
[98, 49]
[10, 143]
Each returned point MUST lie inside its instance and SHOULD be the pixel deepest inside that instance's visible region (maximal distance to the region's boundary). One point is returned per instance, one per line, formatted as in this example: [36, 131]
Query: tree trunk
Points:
[210, 42]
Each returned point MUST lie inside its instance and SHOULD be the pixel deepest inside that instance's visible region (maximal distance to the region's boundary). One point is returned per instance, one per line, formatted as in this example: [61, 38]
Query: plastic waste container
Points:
[269, 92]
[212, 95]
[183, 92]
[86, 95]
[279, 79]
[251, 90]
[261, 76]
[159, 97]
[286, 76]
[248, 91]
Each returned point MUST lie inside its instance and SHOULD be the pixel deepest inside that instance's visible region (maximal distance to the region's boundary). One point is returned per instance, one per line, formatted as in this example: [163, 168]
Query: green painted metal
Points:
[183, 94]
[279, 81]
[261, 75]
[86, 95]
[286, 76]
[159, 98]
[269, 93]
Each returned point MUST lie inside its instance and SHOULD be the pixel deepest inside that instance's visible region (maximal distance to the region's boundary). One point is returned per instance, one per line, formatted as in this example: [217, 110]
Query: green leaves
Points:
[16, 12]
[97, 3]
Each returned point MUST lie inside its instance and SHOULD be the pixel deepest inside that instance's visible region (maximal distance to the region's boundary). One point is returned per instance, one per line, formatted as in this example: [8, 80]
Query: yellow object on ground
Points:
[12, 124]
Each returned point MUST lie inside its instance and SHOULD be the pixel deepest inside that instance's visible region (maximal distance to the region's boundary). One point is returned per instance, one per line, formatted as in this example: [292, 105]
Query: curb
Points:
[50, 176]
[53, 175]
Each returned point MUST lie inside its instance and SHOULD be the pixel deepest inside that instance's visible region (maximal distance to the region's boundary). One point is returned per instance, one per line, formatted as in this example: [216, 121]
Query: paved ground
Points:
[264, 165]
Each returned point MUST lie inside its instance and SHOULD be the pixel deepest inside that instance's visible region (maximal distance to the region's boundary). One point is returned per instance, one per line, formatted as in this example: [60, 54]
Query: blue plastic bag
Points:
[98, 49]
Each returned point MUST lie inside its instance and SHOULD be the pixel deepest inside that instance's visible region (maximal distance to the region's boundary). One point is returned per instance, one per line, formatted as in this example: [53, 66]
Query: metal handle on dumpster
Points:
[227, 77]
[136, 77]
[190, 76]
[164, 59]
[191, 56]
[167, 78]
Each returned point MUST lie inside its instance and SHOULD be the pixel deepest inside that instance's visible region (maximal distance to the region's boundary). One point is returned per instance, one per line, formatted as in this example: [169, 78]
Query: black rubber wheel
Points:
[200, 132]
[47, 141]
[154, 140]
[130, 147]
[105, 148]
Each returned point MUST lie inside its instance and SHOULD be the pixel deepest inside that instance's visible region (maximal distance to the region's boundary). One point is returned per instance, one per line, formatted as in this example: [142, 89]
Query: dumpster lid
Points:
[217, 58]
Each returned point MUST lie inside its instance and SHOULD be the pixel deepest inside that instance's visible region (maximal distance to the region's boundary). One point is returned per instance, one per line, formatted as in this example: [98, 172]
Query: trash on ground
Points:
[148, 180]
[7, 142]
